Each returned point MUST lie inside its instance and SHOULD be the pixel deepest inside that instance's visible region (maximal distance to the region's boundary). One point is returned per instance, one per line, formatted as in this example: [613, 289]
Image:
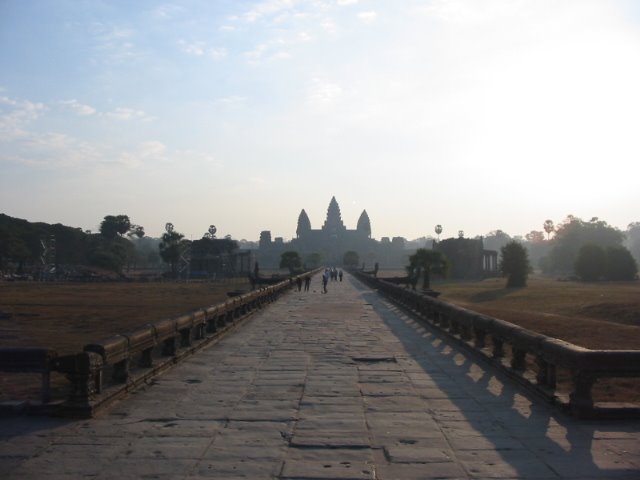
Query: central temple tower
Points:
[333, 225]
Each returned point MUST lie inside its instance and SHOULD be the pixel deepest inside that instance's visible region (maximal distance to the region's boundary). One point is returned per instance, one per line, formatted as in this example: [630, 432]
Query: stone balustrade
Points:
[108, 369]
[530, 358]
[29, 360]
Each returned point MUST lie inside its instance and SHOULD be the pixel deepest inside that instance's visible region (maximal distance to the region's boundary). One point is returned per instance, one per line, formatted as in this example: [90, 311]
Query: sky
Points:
[473, 114]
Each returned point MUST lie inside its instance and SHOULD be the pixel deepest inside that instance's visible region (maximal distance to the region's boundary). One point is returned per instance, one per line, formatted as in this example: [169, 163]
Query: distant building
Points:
[468, 259]
[331, 241]
[334, 239]
[217, 258]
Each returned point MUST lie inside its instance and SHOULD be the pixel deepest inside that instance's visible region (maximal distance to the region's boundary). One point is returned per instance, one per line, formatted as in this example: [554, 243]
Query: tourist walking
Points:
[307, 283]
[325, 280]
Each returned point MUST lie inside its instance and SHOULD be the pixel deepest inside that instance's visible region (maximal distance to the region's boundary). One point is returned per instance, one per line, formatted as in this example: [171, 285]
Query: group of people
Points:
[330, 273]
[307, 283]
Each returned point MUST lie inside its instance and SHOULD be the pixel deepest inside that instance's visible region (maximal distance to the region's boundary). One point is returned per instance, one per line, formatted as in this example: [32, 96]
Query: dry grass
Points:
[592, 315]
[66, 316]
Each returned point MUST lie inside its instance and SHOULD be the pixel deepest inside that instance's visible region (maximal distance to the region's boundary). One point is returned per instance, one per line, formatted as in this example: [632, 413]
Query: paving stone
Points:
[262, 454]
[419, 471]
[330, 463]
[402, 440]
[408, 403]
[164, 448]
[330, 439]
[416, 453]
[236, 469]
[327, 470]
[183, 428]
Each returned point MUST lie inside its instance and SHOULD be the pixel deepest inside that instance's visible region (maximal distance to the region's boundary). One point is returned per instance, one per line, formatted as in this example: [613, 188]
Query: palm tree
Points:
[429, 261]
[548, 227]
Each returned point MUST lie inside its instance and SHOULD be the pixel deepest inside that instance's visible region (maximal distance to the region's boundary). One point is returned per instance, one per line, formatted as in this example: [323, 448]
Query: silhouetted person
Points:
[299, 283]
[325, 280]
[307, 283]
[340, 275]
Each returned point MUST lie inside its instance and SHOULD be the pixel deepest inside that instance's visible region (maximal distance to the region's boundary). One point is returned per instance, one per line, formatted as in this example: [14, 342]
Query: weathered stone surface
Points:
[420, 471]
[340, 386]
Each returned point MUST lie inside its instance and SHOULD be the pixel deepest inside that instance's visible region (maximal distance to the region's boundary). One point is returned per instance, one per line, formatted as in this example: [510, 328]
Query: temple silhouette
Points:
[334, 238]
[331, 241]
[328, 244]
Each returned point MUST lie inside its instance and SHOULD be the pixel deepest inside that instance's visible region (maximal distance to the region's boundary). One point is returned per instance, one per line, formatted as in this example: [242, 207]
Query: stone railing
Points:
[106, 370]
[29, 360]
[530, 358]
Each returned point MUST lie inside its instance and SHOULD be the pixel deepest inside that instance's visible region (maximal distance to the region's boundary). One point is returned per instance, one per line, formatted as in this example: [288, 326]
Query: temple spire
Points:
[304, 224]
[334, 218]
[364, 225]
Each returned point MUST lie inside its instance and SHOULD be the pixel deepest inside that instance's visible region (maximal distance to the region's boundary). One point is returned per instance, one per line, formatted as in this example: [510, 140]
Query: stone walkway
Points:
[335, 386]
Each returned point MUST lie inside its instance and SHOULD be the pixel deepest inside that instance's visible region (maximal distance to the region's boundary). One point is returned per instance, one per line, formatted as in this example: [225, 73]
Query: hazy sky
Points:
[472, 114]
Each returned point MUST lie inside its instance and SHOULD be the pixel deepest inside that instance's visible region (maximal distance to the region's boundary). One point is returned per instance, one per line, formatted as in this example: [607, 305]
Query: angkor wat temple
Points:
[331, 241]
[328, 244]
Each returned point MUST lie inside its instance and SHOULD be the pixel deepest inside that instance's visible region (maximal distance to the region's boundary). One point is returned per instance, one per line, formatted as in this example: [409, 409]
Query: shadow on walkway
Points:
[523, 430]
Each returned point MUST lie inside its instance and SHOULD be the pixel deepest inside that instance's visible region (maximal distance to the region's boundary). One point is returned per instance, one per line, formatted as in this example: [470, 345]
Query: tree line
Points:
[118, 245]
[588, 250]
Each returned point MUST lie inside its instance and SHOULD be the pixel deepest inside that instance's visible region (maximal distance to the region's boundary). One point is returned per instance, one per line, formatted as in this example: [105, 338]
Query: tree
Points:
[515, 264]
[351, 259]
[548, 227]
[495, 240]
[620, 264]
[110, 254]
[12, 248]
[291, 260]
[115, 225]
[591, 262]
[114, 251]
[313, 260]
[428, 261]
[572, 234]
[537, 247]
[534, 236]
[171, 246]
[136, 231]
[633, 240]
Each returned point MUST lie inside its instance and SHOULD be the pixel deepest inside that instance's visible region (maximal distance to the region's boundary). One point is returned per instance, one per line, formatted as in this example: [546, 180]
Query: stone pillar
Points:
[518, 359]
[498, 348]
[580, 399]
[84, 371]
[479, 338]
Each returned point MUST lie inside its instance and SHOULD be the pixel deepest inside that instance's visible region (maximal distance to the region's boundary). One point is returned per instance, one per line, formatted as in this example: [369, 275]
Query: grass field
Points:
[592, 315]
[66, 316]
